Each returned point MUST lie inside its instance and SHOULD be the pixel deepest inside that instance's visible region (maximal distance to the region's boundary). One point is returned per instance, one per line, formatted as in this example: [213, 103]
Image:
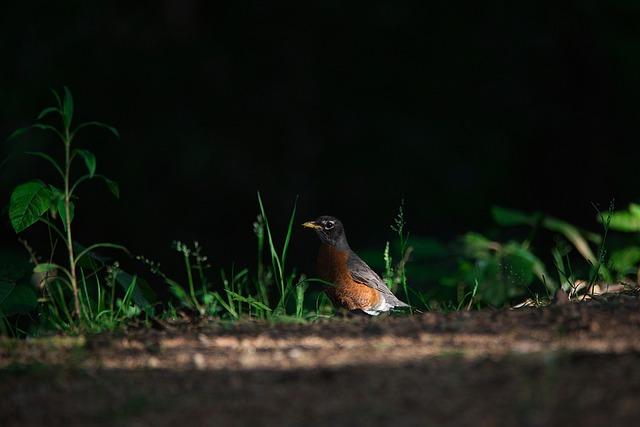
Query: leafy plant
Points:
[35, 201]
[499, 271]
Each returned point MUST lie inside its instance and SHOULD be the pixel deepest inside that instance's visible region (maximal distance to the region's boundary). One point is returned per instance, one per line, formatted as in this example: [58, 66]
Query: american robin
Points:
[356, 285]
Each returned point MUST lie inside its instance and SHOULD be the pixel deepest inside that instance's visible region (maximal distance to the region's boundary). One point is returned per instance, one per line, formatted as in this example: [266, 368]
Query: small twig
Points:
[32, 254]
[42, 278]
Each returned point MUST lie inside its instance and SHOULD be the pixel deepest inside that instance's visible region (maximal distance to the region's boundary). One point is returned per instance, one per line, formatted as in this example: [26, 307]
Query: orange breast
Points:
[347, 293]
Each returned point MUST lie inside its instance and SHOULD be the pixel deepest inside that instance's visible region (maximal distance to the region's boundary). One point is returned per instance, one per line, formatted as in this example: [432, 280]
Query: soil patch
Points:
[577, 363]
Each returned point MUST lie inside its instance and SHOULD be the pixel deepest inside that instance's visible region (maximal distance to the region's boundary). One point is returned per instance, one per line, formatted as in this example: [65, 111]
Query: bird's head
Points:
[329, 229]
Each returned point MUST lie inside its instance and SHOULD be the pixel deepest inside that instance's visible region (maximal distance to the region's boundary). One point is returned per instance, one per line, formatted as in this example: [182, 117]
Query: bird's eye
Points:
[329, 225]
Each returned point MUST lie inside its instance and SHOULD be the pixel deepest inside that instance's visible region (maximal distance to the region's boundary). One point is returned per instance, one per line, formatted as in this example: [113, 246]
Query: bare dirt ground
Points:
[573, 364]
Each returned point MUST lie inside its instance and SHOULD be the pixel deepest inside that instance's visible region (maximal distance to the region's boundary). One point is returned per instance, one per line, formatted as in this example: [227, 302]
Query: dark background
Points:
[452, 105]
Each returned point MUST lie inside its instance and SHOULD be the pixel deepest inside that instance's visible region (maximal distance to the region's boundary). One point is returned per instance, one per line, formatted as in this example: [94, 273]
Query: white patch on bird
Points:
[382, 306]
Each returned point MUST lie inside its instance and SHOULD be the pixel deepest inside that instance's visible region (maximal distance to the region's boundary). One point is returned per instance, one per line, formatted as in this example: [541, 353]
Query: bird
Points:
[356, 287]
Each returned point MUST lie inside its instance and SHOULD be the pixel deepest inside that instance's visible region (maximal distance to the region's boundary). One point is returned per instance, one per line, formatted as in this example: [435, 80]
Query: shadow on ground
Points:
[572, 365]
[526, 390]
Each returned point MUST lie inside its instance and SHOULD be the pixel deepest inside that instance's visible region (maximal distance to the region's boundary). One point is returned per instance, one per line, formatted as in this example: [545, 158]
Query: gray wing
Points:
[362, 273]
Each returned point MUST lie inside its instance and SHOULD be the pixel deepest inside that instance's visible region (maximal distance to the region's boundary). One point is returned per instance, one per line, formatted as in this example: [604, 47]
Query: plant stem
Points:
[192, 290]
[67, 220]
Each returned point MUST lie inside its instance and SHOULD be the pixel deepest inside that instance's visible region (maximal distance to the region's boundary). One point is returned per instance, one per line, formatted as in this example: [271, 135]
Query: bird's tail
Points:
[401, 304]
[395, 302]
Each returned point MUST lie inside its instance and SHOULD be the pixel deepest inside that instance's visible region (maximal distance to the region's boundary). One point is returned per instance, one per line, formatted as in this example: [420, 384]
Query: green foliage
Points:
[89, 160]
[579, 239]
[626, 221]
[626, 260]
[29, 201]
[103, 308]
[492, 271]
[500, 272]
[34, 202]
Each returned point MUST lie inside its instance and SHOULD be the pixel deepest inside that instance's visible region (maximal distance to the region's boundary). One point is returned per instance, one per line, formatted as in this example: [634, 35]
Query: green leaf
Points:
[56, 192]
[18, 132]
[289, 229]
[28, 203]
[112, 185]
[510, 217]
[179, 292]
[518, 265]
[67, 108]
[57, 97]
[478, 246]
[16, 299]
[111, 129]
[79, 181]
[91, 261]
[46, 111]
[89, 160]
[47, 158]
[42, 126]
[573, 235]
[44, 267]
[626, 221]
[626, 260]
[63, 212]
[88, 250]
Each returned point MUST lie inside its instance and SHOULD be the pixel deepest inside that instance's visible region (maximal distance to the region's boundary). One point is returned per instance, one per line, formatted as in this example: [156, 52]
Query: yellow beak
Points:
[311, 224]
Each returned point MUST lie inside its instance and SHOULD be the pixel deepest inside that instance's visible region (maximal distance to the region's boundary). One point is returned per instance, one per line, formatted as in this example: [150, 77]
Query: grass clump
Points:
[273, 293]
